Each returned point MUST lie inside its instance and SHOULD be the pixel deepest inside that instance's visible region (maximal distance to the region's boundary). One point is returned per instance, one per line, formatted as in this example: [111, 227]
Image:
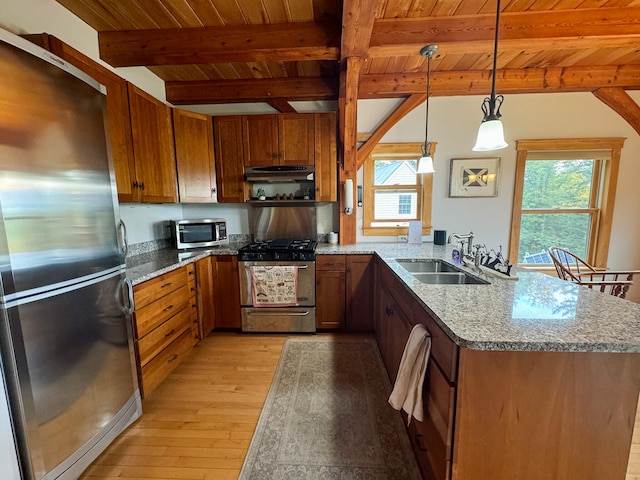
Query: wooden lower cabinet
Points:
[330, 291]
[504, 415]
[359, 293]
[205, 296]
[226, 291]
[344, 292]
[163, 324]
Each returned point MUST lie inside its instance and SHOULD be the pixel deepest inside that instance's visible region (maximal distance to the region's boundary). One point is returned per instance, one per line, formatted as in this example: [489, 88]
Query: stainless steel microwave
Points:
[204, 232]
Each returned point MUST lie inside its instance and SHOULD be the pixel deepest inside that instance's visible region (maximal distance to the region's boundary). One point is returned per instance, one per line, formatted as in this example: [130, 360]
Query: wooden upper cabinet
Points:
[153, 148]
[227, 132]
[326, 157]
[260, 140]
[285, 139]
[118, 121]
[193, 134]
[296, 137]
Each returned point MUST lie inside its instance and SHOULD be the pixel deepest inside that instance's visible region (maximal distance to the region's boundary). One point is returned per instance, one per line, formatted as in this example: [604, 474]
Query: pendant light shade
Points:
[490, 136]
[425, 164]
[491, 132]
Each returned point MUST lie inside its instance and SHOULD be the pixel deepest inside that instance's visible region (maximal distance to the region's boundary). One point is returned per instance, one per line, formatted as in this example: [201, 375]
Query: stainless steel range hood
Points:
[279, 173]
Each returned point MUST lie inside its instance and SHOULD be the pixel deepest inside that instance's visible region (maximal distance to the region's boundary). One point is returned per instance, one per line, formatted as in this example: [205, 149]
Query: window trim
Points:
[607, 171]
[402, 151]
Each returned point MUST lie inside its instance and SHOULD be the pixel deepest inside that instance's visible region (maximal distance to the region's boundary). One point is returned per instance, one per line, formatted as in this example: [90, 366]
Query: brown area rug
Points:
[327, 416]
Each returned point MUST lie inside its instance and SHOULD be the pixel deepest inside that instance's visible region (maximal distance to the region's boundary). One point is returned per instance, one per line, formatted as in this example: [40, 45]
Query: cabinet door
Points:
[326, 158]
[153, 147]
[330, 299]
[193, 133]
[227, 131]
[118, 118]
[296, 138]
[260, 140]
[394, 332]
[205, 296]
[227, 291]
[359, 295]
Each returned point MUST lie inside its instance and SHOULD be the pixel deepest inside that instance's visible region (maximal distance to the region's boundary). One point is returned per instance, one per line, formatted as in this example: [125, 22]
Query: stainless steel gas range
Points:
[277, 286]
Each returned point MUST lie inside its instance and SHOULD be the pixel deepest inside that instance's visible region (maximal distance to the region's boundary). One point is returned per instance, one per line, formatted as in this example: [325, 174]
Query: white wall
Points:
[453, 125]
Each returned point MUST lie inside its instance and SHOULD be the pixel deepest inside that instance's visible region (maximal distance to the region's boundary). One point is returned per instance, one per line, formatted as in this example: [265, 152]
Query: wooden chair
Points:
[574, 269]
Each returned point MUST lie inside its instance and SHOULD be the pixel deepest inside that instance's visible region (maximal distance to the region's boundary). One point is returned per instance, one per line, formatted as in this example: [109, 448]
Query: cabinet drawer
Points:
[165, 362]
[443, 349]
[398, 290]
[149, 317]
[159, 338]
[432, 438]
[149, 291]
[330, 262]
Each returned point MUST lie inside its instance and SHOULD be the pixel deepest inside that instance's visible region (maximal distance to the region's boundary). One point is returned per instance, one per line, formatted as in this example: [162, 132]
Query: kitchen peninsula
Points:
[529, 378]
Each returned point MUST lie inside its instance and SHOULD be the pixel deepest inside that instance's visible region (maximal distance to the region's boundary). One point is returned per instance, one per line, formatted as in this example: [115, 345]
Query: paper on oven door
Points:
[274, 286]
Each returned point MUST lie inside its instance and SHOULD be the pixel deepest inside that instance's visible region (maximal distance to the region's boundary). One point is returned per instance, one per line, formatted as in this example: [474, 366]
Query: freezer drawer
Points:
[290, 319]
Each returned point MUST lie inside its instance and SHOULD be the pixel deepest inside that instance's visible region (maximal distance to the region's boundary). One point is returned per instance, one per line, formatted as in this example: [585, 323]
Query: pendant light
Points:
[491, 133]
[425, 164]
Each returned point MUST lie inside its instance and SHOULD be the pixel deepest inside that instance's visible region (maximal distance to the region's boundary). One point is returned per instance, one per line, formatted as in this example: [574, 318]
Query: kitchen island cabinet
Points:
[502, 413]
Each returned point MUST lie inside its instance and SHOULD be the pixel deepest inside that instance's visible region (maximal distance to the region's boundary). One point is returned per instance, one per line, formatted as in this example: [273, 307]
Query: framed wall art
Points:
[474, 177]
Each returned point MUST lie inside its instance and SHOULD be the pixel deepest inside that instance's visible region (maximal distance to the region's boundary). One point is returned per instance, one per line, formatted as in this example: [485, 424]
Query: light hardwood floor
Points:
[198, 424]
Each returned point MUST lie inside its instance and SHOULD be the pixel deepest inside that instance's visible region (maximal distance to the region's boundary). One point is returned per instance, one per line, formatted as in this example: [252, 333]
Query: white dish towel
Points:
[407, 391]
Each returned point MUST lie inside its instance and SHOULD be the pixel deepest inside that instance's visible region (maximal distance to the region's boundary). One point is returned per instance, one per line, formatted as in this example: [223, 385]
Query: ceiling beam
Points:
[620, 102]
[508, 81]
[251, 90]
[405, 107]
[357, 24]
[281, 105]
[235, 43]
[475, 82]
[533, 30]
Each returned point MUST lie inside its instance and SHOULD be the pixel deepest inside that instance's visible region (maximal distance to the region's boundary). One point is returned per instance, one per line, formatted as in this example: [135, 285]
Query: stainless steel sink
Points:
[424, 266]
[449, 278]
[439, 272]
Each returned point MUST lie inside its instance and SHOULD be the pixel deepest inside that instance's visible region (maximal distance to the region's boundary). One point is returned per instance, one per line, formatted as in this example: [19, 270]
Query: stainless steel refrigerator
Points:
[68, 373]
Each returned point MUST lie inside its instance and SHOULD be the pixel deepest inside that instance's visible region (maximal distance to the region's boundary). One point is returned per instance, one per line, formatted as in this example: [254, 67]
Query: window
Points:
[404, 204]
[564, 196]
[394, 193]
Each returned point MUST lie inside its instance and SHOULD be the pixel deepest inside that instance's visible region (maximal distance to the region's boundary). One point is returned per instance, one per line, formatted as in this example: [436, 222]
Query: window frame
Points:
[397, 151]
[602, 191]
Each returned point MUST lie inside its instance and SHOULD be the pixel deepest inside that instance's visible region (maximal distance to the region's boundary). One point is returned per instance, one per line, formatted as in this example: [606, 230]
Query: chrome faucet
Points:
[468, 237]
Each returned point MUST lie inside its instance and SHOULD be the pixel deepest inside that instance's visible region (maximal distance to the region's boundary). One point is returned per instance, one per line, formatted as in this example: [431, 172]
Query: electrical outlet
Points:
[403, 238]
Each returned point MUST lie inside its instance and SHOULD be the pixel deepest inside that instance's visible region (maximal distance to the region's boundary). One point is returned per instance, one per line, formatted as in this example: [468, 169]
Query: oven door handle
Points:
[256, 264]
[281, 314]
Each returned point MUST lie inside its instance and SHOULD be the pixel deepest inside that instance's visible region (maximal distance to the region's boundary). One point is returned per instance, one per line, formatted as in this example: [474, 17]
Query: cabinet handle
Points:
[388, 310]
[171, 332]
[418, 438]
[193, 289]
[136, 184]
[166, 285]
[213, 190]
[173, 357]
[141, 185]
[168, 308]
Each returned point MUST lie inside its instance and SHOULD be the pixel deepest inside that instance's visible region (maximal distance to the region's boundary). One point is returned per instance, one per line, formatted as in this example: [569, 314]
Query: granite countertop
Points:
[536, 312]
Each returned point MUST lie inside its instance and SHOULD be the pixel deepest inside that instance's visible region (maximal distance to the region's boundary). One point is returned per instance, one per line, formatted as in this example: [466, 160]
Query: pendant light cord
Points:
[495, 60]
[425, 151]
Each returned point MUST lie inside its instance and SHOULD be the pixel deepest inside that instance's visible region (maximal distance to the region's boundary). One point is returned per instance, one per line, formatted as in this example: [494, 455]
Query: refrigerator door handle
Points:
[122, 239]
[129, 306]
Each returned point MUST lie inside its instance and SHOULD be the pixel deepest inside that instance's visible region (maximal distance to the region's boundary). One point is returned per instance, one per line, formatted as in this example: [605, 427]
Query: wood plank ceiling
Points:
[228, 51]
